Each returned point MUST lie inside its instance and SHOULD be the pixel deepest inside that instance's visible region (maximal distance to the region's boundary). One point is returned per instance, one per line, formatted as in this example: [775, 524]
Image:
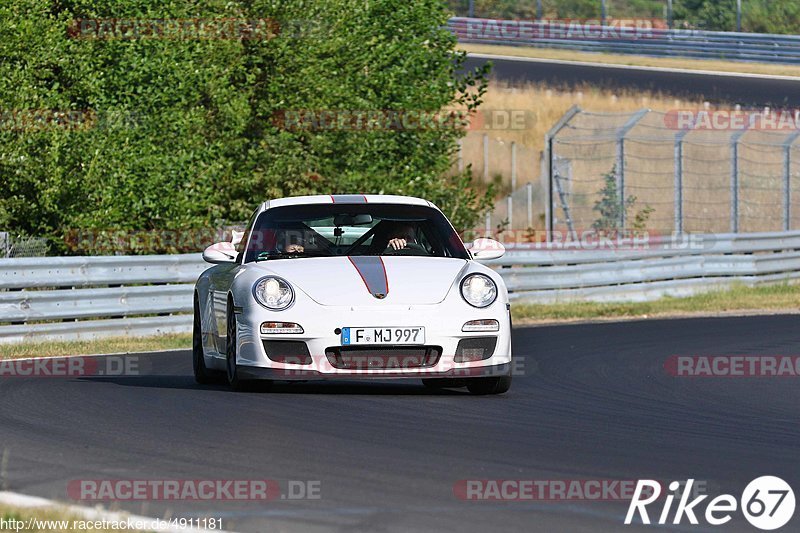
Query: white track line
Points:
[635, 67]
[23, 501]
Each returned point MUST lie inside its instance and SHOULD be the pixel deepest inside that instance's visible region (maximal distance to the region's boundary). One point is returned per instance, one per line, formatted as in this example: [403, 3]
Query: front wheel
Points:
[485, 386]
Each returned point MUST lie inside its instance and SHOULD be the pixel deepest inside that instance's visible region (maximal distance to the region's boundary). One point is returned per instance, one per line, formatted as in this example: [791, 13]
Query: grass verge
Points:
[98, 346]
[767, 299]
[632, 60]
[44, 520]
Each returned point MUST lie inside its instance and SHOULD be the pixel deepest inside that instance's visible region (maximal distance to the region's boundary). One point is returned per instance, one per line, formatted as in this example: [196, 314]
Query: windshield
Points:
[324, 230]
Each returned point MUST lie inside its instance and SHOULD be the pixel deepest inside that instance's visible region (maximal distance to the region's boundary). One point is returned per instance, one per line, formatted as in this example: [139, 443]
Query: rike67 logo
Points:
[767, 503]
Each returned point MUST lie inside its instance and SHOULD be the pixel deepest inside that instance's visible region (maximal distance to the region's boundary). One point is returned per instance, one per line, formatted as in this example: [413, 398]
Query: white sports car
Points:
[352, 286]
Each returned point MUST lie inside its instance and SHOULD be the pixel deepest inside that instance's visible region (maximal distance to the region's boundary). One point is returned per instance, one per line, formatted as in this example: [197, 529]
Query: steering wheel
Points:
[410, 249]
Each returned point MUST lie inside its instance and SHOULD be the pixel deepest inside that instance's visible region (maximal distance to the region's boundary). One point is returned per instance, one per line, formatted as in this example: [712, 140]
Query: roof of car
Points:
[347, 199]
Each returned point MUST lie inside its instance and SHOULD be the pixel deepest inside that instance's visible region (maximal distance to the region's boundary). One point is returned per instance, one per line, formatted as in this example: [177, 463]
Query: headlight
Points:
[273, 293]
[478, 290]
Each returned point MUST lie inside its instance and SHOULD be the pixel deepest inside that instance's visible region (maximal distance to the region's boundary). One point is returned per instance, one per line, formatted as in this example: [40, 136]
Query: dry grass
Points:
[99, 346]
[639, 61]
[42, 520]
[545, 105]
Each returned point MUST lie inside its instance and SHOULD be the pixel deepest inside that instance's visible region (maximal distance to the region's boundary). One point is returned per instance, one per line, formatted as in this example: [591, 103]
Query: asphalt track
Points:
[594, 403]
[748, 91]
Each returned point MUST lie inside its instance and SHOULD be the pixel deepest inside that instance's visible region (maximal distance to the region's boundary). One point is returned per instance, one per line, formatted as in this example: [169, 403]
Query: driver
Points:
[401, 236]
[292, 242]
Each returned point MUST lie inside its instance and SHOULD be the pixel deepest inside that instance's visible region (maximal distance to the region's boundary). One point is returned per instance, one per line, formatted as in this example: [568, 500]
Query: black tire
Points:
[230, 352]
[485, 386]
[202, 375]
[443, 383]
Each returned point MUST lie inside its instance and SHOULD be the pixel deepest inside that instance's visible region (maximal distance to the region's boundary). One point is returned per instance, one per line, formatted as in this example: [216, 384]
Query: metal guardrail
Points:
[654, 42]
[650, 269]
[87, 297]
[71, 298]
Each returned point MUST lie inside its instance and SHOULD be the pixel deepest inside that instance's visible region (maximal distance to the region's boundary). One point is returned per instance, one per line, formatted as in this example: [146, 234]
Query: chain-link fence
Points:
[507, 164]
[704, 171]
[18, 246]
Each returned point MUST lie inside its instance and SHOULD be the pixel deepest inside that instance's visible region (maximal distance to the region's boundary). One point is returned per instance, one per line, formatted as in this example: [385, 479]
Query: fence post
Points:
[548, 158]
[679, 180]
[787, 180]
[513, 166]
[460, 156]
[621, 133]
[510, 211]
[669, 14]
[488, 224]
[735, 178]
[529, 195]
[603, 12]
[486, 158]
[739, 15]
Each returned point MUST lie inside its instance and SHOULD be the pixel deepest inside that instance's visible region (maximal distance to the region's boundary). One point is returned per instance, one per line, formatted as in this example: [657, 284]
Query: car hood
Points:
[369, 280]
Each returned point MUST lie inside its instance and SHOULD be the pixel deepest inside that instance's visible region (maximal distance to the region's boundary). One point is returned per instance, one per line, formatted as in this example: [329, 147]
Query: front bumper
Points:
[442, 324]
[302, 374]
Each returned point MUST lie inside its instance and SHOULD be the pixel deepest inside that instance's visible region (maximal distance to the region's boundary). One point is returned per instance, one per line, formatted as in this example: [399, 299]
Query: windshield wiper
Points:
[276, 254]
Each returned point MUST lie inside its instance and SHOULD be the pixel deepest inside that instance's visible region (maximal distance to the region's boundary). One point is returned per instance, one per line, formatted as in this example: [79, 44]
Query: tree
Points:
[179, 133]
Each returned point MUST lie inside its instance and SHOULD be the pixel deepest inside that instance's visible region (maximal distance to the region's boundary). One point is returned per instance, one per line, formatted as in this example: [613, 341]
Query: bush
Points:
[180, 133]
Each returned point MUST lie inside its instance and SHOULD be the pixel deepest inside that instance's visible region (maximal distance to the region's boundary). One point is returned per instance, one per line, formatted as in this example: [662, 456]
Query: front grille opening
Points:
[475, 349]
[289, 352]
[382, 357]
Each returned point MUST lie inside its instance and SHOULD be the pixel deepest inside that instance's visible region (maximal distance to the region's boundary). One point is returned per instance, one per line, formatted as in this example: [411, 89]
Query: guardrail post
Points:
[548, 157]
[603, 12]
[621, 133]
[513, 166]
[735, 179]
[787, 180]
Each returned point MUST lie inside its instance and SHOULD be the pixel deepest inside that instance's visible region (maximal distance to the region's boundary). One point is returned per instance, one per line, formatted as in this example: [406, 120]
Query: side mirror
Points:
[485, 249]
[221, 252]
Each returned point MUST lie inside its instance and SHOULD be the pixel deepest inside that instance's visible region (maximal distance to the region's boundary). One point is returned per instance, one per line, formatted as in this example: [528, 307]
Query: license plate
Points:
[395, 335]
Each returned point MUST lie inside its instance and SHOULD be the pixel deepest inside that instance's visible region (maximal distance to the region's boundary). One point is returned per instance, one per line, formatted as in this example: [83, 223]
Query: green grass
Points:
[99, 346]
[783, 297]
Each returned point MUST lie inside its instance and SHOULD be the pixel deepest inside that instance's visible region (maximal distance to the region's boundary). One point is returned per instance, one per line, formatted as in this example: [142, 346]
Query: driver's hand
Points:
[295, 248]
[397, 244]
